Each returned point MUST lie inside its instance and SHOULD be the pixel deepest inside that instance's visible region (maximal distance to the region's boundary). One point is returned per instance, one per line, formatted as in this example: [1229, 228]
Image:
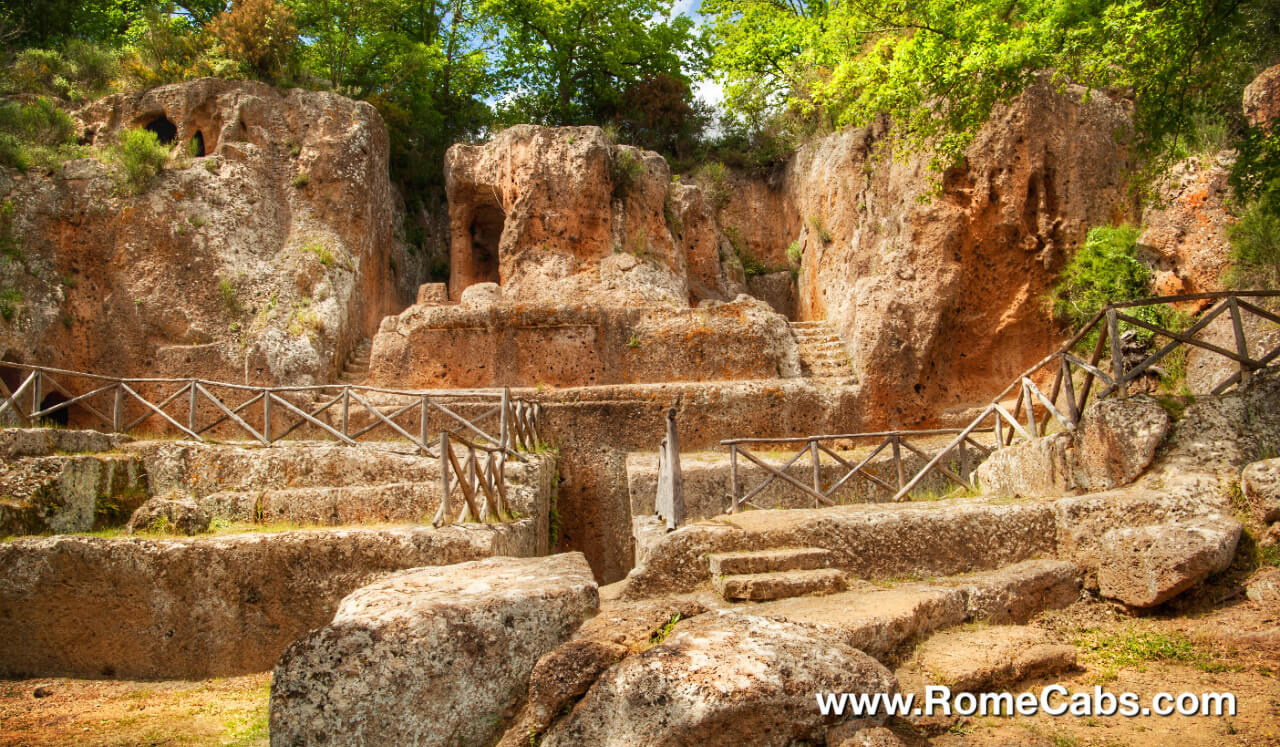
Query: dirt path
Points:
[224, 711]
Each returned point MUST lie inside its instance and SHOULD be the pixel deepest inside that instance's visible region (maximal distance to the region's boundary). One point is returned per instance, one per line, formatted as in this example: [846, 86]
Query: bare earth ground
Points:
[1232, 649]
[224, 711]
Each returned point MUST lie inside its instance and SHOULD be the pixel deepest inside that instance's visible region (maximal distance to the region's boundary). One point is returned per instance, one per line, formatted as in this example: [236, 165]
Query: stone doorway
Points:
[481, 263]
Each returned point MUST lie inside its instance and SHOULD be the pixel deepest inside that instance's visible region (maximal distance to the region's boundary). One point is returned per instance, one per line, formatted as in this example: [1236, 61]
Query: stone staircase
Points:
[822, 354]
[765, 575]
[356, 368]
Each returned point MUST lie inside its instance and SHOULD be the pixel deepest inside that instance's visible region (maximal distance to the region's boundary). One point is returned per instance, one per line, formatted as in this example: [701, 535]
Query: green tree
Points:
[571, 61]
[939, 66]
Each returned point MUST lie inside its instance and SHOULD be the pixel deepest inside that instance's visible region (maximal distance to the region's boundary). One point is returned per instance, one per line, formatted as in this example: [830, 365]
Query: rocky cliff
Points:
[262, 252]
[938, 288]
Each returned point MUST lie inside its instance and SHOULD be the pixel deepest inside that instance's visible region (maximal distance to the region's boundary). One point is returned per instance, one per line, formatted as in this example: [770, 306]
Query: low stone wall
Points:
[512, 345]
[203, 607]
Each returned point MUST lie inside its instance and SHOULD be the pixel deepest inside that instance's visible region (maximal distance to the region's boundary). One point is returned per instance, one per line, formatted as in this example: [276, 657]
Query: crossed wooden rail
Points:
[814, 447]
[1033, 412]
[474, 463]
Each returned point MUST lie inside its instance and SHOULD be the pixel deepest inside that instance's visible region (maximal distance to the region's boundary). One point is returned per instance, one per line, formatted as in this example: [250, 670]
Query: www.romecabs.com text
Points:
[1054, 700]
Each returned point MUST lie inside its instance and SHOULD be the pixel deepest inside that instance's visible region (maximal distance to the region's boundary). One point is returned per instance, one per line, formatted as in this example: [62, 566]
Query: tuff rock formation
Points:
[940, 300]
[262, 252]
[432, 656]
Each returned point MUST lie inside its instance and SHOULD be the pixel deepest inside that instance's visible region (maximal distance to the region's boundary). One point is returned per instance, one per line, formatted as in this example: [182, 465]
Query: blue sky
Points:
[705, 90]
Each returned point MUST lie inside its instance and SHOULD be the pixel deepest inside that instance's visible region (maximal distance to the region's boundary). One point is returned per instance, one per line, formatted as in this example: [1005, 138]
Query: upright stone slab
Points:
[432, 656]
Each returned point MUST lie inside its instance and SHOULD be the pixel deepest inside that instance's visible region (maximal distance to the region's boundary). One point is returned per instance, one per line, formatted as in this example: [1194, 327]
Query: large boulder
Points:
[433, 656]
[263, 251]
[1260, 483]
[1148, 565]
[725, 678]
[1117, 440]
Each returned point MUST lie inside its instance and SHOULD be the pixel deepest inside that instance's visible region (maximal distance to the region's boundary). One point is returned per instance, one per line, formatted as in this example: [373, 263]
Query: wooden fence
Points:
[1076, 382]
[472, 452]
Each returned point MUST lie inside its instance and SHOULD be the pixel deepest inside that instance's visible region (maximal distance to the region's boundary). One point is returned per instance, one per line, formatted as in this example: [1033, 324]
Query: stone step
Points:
[880, 619]
[758, 587]
[810, 324]
[769, 561]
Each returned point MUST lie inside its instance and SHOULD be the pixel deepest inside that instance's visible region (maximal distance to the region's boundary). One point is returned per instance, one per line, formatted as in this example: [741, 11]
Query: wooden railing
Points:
[1034, 412]
[473, 463]
[808, 461]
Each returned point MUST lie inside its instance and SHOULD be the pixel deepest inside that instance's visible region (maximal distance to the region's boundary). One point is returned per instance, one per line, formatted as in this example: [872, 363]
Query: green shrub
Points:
[713, 177]
[1104, 271]
[627, 169]
[1255, 244]
[141, 156]
[37, 133]
[301, 179]
[78, 72]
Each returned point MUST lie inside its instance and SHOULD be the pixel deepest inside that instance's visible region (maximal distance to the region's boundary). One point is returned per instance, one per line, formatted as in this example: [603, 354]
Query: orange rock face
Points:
[262, 251]
[1262, 98]
[940, 301]
[542, 211]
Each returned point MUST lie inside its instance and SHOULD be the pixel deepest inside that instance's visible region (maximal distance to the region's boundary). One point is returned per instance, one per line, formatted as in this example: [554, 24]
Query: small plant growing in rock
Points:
[322, 252]
[819, 227]
[627, 170]
[302, 179]
[295, 150]
[230, 299]
[211, 165]
[10, 303]
[795, 253]
[633, 342]
[661, 634]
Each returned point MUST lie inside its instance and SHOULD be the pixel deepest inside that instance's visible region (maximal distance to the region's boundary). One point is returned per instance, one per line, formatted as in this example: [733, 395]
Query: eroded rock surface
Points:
[721, 678]
[429, 656]
[168, 515]
[263, 259]
[1260, 483]
[1145, 566]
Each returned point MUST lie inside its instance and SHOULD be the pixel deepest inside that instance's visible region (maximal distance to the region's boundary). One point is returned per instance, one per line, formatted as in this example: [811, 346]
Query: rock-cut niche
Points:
[481, 264]
[165, 130]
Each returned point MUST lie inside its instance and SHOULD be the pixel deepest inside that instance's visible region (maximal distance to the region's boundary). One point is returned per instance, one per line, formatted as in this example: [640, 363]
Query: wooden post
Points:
[442, 513]
[1069, 388]
[817, 467]
[266, 415]
[191, 406]
[346, 408]
[504, 427]
[37, 392]
[897, 461]
[1117, 353]
[117, 409]
[733, 478]
[669, 503]
[422, 426]
[964, 463]
[1242, 345]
